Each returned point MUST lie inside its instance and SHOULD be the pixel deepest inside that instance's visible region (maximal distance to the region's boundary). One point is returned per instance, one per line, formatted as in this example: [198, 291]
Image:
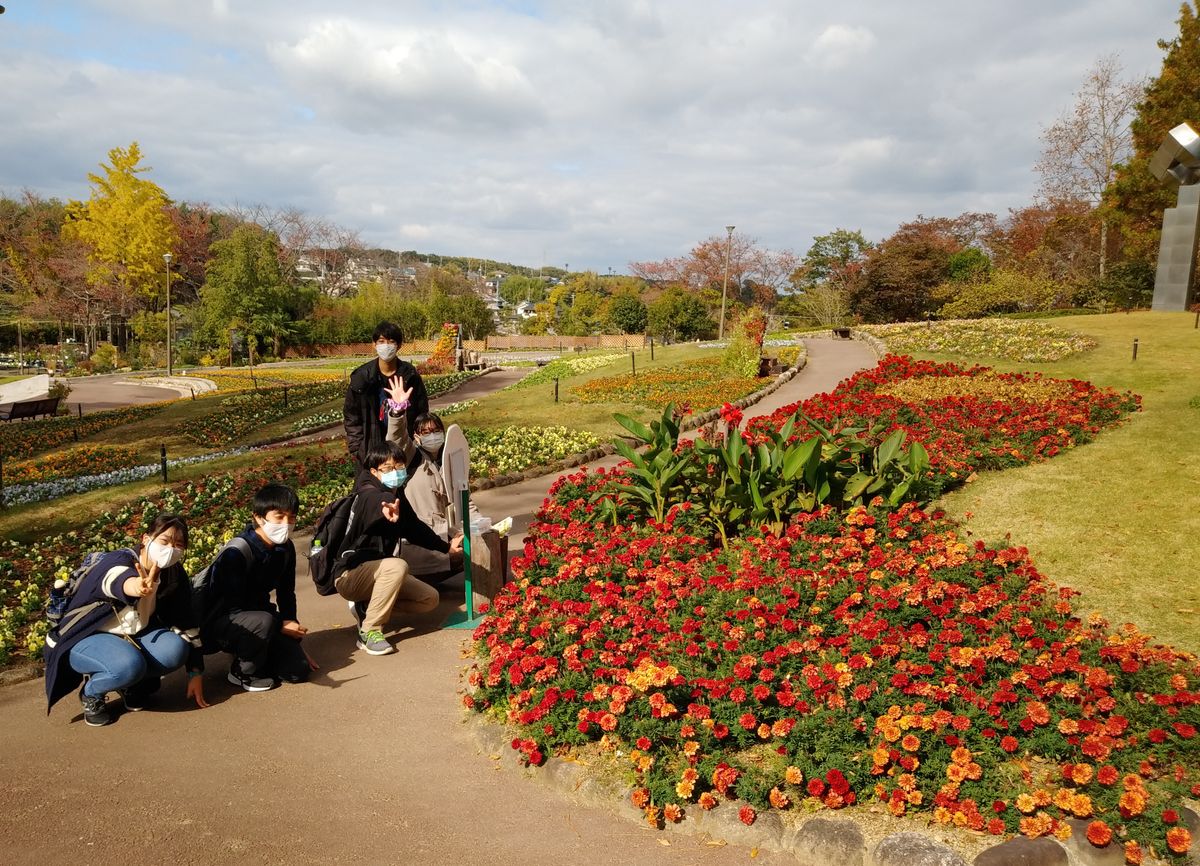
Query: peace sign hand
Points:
[147, 579]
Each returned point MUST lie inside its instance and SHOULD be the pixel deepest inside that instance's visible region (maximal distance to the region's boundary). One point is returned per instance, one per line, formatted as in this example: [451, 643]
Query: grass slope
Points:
[1115, 519]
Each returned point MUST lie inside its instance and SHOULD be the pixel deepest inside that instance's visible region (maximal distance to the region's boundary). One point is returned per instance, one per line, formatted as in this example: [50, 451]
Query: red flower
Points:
[815, 787]
[1099, 833]
[1009, 744]
[747, 815]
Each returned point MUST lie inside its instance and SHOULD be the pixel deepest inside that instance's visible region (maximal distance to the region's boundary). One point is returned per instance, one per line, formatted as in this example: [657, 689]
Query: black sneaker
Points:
[95, 711]
[249, 682]
[137, 696]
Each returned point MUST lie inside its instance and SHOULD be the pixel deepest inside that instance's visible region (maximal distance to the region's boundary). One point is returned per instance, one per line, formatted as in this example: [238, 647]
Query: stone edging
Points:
[814, 841]
[692, 422]
[875, 344]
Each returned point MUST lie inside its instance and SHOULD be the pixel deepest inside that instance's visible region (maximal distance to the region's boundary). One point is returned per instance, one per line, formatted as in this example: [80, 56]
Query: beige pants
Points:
[385, 584]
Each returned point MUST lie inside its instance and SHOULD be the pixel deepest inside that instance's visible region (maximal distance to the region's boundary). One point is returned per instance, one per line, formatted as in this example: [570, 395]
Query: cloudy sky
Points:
[588, 134]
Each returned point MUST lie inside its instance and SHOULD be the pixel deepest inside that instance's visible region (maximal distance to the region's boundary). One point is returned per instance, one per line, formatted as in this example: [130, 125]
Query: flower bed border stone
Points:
[817, 840]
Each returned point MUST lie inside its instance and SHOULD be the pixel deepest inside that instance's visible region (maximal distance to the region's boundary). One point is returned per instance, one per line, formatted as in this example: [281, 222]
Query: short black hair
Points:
[163, 522]
[424, 418]
[388, 331]
[382, 452]
[275, 497]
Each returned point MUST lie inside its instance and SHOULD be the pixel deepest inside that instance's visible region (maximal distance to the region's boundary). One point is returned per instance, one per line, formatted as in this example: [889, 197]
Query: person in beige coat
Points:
[426, 492]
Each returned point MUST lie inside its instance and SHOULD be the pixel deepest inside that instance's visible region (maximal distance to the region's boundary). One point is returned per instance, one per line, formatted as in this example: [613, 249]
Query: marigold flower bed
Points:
[67, 463]
[866, 656]
[968, 418]
[23, 438]
[698, 385]
[875, 656]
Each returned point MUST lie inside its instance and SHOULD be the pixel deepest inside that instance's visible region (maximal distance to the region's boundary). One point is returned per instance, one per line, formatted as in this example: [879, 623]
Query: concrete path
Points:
[368, 763]
[111, 392]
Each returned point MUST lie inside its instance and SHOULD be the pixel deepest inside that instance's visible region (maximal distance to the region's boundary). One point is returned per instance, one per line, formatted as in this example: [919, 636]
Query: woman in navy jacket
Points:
[130, 621]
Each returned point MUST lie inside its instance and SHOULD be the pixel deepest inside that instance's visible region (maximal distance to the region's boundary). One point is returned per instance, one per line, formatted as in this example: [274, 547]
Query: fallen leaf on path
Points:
[664, 843]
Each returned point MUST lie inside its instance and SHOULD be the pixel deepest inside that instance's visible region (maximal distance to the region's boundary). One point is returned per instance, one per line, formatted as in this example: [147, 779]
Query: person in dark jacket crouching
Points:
[239, 616]
[370, 575]
[384, 398]
[130, 622]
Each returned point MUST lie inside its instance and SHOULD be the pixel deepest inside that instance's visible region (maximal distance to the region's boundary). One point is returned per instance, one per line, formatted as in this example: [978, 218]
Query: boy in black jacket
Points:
[264, 637]
[370, 574]
[384, 398]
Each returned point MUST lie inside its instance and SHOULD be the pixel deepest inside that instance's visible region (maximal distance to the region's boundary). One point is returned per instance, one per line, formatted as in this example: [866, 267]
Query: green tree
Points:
[247, 288]
[829, 271]
[127, 228]
[519, 288]
[679, 315]
[1136, 199]
[627, 314]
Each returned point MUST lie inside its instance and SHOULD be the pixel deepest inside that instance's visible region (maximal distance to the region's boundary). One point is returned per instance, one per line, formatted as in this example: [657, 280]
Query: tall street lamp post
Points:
[167, 262]
[725, 287]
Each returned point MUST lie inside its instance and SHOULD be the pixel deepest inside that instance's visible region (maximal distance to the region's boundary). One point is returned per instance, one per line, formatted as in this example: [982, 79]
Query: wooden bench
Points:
[47, 406]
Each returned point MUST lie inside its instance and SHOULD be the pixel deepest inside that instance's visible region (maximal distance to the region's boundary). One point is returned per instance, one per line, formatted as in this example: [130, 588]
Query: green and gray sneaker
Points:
[374, 644]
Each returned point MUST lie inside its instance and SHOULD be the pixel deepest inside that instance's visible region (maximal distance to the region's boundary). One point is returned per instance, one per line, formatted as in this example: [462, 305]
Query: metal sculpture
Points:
[1178, 158]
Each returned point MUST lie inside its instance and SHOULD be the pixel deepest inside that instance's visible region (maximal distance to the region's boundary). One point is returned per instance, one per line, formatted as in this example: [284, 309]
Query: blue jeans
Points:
[114, 663]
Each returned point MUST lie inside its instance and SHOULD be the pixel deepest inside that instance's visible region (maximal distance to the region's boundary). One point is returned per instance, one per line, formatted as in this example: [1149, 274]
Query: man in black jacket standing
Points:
[383, 391]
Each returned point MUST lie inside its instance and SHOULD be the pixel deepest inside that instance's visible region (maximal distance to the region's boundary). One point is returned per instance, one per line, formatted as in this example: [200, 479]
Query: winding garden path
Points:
[369, 763]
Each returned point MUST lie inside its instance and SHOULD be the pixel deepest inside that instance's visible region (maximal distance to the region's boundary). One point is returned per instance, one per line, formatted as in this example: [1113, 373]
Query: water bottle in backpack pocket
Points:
[330, 536]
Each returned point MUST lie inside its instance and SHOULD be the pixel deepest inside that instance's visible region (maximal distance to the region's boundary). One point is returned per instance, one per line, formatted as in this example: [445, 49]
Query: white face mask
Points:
[385, 351]
[277, 532]
[164, 555]
[431, 442]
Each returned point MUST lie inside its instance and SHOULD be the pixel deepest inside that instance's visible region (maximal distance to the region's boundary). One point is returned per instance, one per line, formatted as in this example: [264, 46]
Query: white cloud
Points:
[840, 44]
[593, 134]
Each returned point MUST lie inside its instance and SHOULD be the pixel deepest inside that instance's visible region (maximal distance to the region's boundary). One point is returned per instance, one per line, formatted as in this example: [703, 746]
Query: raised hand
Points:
[396, 391]
[391, 511]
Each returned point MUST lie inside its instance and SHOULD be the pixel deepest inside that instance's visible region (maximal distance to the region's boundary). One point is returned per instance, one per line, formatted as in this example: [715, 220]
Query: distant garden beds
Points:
[697, 385]
[1001, 338]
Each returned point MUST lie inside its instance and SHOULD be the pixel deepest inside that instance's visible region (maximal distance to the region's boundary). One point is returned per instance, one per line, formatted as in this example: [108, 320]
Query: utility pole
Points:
[725, 287]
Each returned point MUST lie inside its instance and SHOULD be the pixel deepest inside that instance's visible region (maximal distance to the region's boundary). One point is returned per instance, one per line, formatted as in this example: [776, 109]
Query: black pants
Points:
[258, 647]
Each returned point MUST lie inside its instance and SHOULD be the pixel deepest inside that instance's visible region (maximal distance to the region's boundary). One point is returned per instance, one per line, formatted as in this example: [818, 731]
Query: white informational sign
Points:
[456, 468]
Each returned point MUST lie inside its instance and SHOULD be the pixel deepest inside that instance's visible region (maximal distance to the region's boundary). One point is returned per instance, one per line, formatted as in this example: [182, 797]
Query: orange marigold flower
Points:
[1099, 833]
[1107, 775]
[779, 800]
[652, 816]
[1081, 806]
[956, 772]
[673, 813]
[1179, 839]
[1038, 712]
[707, 800]
[640, 797]
[910, 742]
[793, 776]
[1066, 727]
[1132, 803]
[1082, 774]
[1025, 803]
[961, 755]
[1133, 853]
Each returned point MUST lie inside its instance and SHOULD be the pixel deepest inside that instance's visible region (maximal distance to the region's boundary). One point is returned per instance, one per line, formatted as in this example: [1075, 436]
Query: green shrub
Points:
[1000, 292]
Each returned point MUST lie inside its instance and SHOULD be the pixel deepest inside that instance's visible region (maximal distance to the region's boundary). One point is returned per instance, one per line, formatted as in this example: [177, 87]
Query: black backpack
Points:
[332, 530]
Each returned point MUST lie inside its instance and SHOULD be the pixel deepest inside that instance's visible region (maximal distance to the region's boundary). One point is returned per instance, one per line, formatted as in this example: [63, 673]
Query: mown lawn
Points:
[1115, 519]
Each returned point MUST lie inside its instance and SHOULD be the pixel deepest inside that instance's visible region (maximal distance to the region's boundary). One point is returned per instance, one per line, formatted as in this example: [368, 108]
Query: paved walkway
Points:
[368, 763]
[111, 392]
